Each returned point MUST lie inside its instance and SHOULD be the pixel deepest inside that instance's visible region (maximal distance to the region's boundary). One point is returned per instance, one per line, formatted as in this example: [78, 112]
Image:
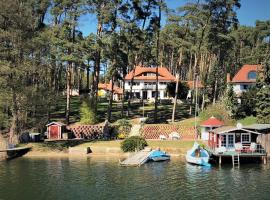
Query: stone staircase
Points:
[135, 130]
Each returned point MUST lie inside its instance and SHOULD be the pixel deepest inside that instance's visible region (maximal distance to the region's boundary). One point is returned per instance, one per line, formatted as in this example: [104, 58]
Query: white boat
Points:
[197, 155]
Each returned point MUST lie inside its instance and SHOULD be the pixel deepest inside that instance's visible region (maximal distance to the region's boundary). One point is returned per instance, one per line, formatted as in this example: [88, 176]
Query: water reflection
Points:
[103, 178]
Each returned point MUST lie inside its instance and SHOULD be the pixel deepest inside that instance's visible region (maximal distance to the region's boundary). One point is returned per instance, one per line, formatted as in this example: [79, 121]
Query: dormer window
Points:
[252, 75]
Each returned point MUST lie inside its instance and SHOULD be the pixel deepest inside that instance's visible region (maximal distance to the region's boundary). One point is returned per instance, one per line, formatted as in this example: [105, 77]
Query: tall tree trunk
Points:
[14, 129]
[97, 63]
[131, 87]
[175, 97]
[68, 91]
[109, 111]
[123, 97]
[215, 91]
[96, 80]
[157, 53]
[88, 77]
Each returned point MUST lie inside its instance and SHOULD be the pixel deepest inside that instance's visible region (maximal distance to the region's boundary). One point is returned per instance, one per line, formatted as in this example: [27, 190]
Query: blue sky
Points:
[250, 11]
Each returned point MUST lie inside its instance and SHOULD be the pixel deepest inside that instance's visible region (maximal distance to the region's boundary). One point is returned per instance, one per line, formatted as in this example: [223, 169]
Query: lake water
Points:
[102, 178]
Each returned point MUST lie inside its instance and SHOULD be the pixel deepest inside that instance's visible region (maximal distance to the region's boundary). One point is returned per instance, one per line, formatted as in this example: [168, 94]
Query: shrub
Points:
[87, 115]
[133, 143]
[124, 128]
[217, 110]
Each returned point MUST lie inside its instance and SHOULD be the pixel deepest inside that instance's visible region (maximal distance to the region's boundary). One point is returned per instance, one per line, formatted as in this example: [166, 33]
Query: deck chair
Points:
[162, 137]
[253, 147]
[221, 150]
[238, 147]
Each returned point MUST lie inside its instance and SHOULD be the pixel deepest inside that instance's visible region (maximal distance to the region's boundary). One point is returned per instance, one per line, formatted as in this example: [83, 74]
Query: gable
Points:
[247, 74]
[147, 73]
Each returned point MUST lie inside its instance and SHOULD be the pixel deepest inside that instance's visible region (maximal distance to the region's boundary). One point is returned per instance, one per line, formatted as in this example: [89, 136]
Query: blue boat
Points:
[198, 156]
[157, 155]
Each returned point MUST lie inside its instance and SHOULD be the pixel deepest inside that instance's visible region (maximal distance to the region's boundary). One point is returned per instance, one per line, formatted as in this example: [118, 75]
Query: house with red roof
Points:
[105, 88]
[209, 125]
[144, 82]
[244, 78]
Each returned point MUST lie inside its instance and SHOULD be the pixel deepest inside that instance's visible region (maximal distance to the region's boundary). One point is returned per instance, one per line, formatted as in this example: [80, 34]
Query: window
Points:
[245, 137]
[245, 87]
[162, 83]
[154, 94]
[135, 83]
[252, 75]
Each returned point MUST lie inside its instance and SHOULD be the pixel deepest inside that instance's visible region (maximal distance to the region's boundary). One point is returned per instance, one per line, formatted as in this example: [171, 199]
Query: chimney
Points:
[228, 77]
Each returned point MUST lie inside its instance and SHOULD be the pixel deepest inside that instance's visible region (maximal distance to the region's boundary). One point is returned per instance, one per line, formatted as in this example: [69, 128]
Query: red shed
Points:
[209, 125]
[55, 130]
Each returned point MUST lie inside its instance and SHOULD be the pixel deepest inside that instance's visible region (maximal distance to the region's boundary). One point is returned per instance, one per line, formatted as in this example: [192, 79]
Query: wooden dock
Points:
[15, 152]
[137, 159]
[236, 156]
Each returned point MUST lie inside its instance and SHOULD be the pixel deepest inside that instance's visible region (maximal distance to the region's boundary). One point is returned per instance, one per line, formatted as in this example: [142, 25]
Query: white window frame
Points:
[249, 135]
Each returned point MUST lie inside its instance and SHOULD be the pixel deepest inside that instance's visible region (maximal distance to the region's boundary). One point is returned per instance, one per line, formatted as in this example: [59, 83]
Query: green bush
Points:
[217, 110]
[124, 128]
[87, 115]
[133, 143]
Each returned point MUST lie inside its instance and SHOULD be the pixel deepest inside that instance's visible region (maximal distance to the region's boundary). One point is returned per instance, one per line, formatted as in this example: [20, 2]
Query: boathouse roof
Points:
[258, 126]
[212, 122]
[228, 129]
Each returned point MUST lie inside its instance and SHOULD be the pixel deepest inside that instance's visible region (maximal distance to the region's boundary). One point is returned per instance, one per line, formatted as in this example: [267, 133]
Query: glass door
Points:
[230, 141]
[227, 141]
[223, 140]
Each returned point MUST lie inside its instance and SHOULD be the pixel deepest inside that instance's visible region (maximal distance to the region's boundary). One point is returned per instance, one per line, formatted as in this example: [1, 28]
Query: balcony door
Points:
[227, 141]
[144, 94]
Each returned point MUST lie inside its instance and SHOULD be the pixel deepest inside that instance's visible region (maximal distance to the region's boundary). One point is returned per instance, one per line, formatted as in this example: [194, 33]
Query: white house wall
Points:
[238, 88]
[140, 87]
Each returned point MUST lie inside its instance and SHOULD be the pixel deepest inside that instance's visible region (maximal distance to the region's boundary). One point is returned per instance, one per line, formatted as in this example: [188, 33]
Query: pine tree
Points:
[263, 95]
[231, 101]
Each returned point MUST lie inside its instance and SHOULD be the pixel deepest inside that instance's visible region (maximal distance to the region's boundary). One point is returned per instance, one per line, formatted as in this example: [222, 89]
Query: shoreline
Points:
[58, 154]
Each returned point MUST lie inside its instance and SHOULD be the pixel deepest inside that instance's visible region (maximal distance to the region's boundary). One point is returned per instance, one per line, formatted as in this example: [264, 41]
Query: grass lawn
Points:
[105, 144]
[136, 111]
[177, 144]
[171, 146]
[176, 147]
[248, 120]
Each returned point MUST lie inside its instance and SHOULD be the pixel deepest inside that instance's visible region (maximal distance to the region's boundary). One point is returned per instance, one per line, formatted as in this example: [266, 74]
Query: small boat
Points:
[157, 155]
[197, 155]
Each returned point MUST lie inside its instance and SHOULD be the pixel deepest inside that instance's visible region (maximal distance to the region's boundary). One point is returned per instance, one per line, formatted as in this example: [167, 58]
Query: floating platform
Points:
[137, 159]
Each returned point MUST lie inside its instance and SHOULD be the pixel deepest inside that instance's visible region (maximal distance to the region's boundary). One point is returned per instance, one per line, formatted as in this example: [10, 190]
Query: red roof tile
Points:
[108, 87]
[212, 122]
[190, 84]
[163, 72]
[242, 74]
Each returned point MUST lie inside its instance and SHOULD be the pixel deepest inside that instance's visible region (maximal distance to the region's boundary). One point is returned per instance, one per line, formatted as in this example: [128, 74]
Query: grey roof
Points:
[258, 126]
[227, 129]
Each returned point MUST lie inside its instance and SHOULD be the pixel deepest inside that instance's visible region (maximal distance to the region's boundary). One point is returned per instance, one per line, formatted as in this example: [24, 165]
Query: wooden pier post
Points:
[219, 160]
[264, 158]
[3, 146]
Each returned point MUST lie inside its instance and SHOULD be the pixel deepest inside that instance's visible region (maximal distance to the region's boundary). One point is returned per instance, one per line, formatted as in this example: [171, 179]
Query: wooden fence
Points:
[154, 131]
[90, 131]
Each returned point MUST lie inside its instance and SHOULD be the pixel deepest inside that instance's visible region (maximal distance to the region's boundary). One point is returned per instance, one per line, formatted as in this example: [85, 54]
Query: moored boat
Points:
[197, 155]
[159, 156]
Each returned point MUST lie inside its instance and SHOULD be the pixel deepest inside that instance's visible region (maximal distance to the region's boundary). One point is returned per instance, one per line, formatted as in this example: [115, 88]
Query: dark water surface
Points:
[102, 178]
